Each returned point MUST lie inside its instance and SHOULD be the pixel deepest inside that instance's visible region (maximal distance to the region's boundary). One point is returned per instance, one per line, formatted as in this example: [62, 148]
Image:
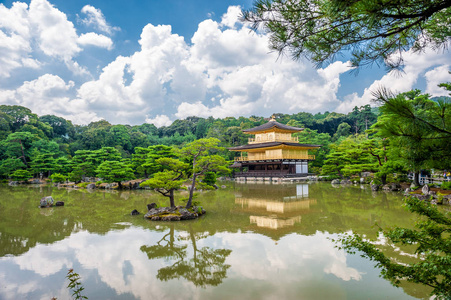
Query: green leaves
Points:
[115, 171]
[373, 31]
[75, 285]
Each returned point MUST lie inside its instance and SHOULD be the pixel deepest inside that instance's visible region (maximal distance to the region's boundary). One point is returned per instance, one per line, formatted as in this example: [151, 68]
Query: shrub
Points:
[209, 178]
[21, 175]
[446, 185]
[58, 178]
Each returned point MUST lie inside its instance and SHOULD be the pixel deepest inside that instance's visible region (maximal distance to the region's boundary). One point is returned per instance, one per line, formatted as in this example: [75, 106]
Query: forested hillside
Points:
[48, 144]
[408, 132]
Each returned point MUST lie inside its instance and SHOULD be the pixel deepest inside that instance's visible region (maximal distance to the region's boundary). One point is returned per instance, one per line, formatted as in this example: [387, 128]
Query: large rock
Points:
[335, 181]
[46, 201]
[91, 186]
[346, 181]
[425, 190]
[174, 213]
[59, 203]
[391, 187]
[134, 212]
[374, 187]
[421, 197]
[186, 215]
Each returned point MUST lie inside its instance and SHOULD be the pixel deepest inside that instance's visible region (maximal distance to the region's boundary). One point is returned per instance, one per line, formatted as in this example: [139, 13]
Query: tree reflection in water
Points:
[205, 267]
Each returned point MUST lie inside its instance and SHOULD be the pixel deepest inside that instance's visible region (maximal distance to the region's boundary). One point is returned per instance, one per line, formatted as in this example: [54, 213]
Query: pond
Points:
[257, 241]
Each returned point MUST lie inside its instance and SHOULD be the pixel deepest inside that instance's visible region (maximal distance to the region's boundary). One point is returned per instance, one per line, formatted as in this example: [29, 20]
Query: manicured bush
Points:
[21, 175]
[58, 178]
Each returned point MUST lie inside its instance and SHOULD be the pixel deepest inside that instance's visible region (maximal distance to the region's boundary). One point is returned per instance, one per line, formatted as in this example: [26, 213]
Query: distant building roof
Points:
[272, 124]
[271, 144]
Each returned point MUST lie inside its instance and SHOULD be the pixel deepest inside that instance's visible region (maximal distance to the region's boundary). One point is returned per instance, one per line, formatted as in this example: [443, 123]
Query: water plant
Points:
[75, 285]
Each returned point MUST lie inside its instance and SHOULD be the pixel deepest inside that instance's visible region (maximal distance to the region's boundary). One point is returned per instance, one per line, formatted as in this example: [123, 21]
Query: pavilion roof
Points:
[271, 144]
[272, 124]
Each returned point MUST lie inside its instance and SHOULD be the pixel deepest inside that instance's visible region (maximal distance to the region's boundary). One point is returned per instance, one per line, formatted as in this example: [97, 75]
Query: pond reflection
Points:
[257, 241]
[205, 266]
[276, 206]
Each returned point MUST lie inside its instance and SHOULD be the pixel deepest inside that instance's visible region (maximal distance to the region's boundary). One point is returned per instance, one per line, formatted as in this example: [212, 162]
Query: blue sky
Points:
[131, 62]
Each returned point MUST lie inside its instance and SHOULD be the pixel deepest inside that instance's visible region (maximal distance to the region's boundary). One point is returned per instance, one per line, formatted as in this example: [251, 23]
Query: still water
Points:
[257, 241]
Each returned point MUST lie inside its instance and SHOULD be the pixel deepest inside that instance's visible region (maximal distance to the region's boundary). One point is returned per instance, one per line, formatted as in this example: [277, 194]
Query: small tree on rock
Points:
[200, 153]
[169, 180]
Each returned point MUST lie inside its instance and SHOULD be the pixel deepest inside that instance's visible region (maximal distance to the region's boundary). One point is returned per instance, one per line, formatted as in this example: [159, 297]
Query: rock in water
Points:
[46, 201]
[59, 203]
[134, 212]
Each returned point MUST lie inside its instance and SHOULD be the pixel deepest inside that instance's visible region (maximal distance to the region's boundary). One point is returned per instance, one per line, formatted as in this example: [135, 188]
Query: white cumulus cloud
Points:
[160, 121]
[95, 18]
[94, 39]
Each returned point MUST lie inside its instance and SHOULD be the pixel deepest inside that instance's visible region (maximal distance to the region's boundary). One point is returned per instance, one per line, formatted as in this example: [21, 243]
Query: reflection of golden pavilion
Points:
[274, 223]
[275, 206]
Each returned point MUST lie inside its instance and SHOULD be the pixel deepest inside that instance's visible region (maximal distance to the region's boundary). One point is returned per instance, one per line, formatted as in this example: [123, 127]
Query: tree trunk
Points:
[23, 153]
[416, 178]
[120, 185]
[171, 198]
[384, 178]
[191, 192]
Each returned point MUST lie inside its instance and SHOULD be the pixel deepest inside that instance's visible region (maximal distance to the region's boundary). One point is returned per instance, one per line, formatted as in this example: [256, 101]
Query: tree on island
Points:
[166, 182]
[373, 31]
[115, 171]
[201, 157]
[432, 240]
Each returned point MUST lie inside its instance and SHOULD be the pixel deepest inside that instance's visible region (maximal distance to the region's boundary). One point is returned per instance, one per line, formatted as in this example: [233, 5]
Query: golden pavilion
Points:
[273, 152]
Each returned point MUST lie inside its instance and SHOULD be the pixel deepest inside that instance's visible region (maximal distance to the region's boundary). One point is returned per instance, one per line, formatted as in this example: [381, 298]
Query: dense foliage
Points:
[372, 31]
[50, 144]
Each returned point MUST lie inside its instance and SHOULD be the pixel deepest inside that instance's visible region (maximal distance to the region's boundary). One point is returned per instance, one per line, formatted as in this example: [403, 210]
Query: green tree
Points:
[24, 139]
[115, 171]
[9, 165]
[419, 127]
[82, 165]
[343, 130]
[200, 154]
[373, 31]
[63, 165]
[18, 115]
[166, 182]
[432, 240]
[61, 127]
[58, 178]
[308, 136]
[349, 157]
[150, 165]
[21, 175]
[43, 163]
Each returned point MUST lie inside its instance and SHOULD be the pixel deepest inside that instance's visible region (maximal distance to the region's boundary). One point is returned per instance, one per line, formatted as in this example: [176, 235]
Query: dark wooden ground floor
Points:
[272, 168]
